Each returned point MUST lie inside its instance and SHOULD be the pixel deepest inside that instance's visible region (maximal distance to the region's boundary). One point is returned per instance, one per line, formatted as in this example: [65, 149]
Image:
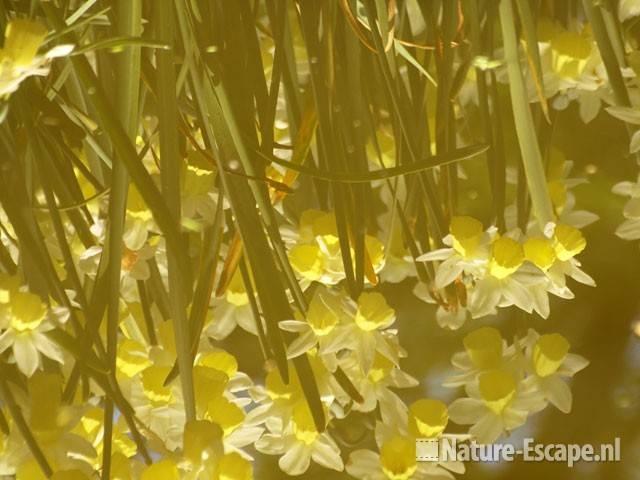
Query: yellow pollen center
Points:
[484, 347]
[320, 316]
[506, 257]
[497, 389]
[538, 250]
[398, 458]
[27, 312]
[466, 233]
[428, 418]
[381, 367]
[303, 426]
[548, 354]
[373, 312]
[569, 242]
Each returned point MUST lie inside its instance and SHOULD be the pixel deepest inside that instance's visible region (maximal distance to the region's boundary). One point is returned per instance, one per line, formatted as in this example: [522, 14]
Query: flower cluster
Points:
[108, 359]
[486, 270]
[505, 383]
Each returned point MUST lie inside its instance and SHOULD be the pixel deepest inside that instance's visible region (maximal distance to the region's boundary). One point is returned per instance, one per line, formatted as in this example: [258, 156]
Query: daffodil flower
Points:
[201, 449]
[19, 57]
[336, 323]
[560, 184]
[451, 316]
[628, 9]
[277, 400]
[497, 403]
[24, 321]
[328, 309]
[375, 387]
[468, 251]
[501, 286]
[567, 243]
[396, 457]
[231, 310]
[91, 428]
[133, 266]
[314, 250]
[398, 264]
[53, 427]
[485, 350]
[550, 364]
[300, 443]
[199, 195]
[630, 228]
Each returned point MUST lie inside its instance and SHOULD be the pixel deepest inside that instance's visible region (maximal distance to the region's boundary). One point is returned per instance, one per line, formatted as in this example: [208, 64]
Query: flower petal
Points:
[26, 354]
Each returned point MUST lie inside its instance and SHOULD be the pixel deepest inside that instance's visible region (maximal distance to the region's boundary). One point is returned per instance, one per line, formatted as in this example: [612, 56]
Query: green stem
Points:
[529, 147]
[24, 429]
[170, 179]
[129, 18]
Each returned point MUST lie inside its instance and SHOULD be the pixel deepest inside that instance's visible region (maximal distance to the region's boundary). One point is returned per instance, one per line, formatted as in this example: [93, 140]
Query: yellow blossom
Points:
[484, 347]
[548, 354]
[220, 360]
[202, 441]
[232, 466]
[162, 470]
[540, 252]
[304, 427]
[497, 389]
[307, 260]
[225, 413]
[153, 378]
[398, 458]
[427, 418]
[132, 358]
[466, 233]
[373, 312]
[506, 257]
[569, 242]
[380, 368]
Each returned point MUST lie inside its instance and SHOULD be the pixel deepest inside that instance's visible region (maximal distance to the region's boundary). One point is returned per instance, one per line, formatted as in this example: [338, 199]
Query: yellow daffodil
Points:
[427, 418]
[25, 317]
[19, 57]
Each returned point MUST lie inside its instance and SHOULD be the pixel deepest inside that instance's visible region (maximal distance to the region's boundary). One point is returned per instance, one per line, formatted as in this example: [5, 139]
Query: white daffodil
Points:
[367, 331]
[232, 309]
[628, 9]
[315, 253]
[277, 400]
[24, 321]
[134, 264]
[199, 196]
[398, 264]
[336, 323]
[396, 456]
[485, 350]
[550, 364]
[468, 251]
[328, 309]
[19, 57]
[501, 286]
[497, 403]
[451, 315]
[567, 242]
[376, 386]
[138, 221]
[300, 443]
[630, 228]
[560, 185]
